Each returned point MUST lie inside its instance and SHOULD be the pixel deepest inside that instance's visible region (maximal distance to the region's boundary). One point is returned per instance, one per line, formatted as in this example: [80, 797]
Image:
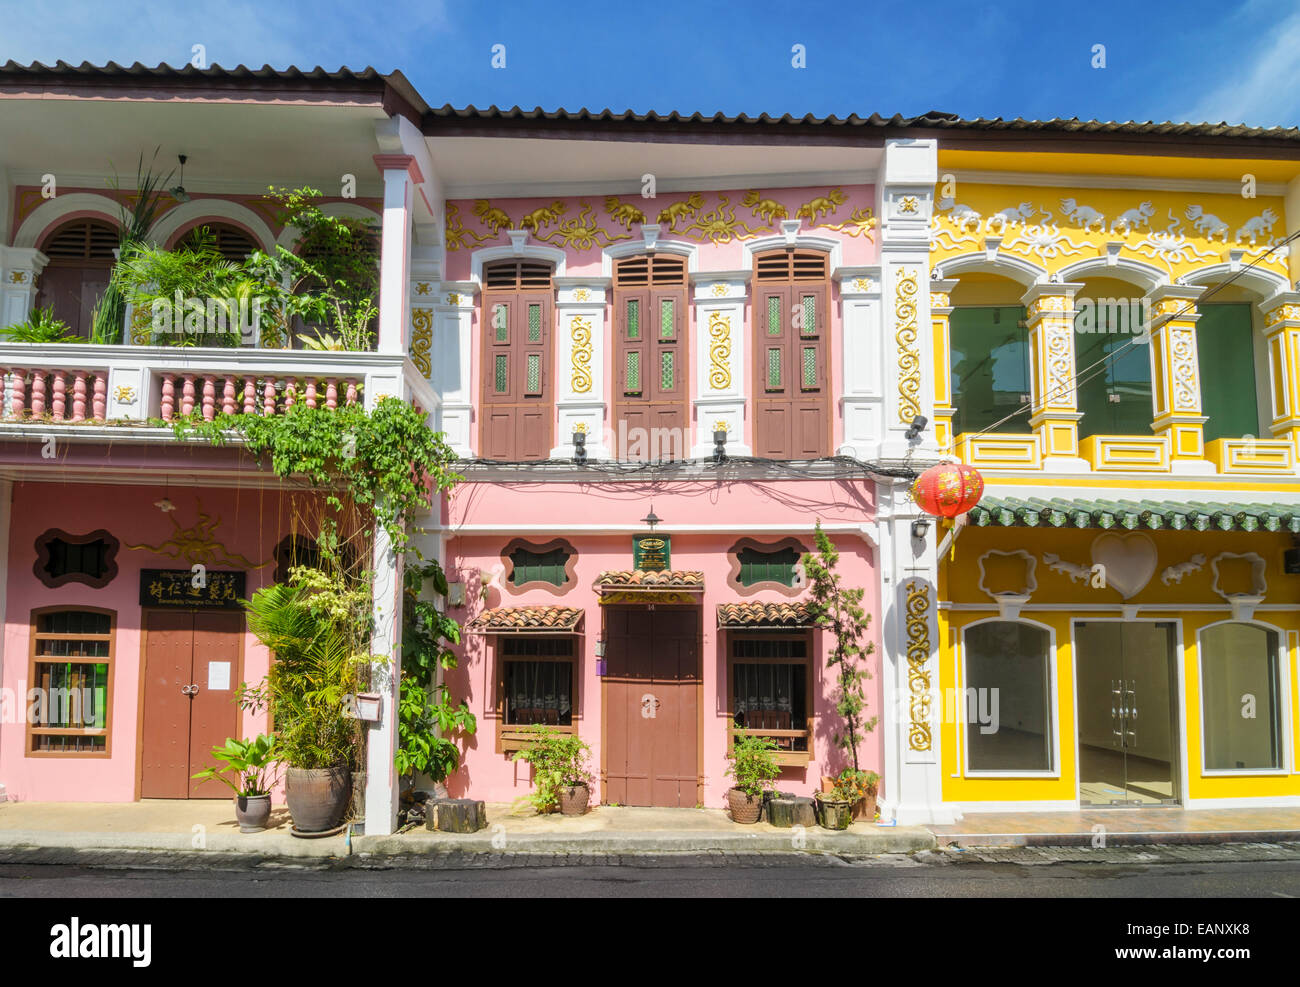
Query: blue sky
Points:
[1193, 60]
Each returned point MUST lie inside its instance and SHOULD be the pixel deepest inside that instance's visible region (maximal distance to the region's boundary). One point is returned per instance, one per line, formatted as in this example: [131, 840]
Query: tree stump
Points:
[787, 812]
[456, 816]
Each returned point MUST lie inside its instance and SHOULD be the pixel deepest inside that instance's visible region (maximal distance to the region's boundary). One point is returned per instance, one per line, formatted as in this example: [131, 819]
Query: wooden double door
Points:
[192, 669]
[652, 705]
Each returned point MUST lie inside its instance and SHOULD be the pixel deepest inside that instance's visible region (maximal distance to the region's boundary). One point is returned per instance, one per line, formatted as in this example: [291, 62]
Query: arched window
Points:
[81, 254]
[650, 362]
[517, 393]
[1006, 700]
[1241, 698]
[231, 242]
[791, 328]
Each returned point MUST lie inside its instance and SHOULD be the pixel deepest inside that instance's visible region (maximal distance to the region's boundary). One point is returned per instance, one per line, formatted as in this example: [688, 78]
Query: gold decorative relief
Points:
[862, 284]
[860, 223]
[623, 213]
[18, 277]
[580, 333]
[198, 544]
[918, 661]
[124, 394]
[721, 426]
[1282, 312]
[422, 340]
[768, 210]
[453, 298]
[579, 233]
[908, 204]
[909, 357]
[545, 216]
[422, 288]
[580, 428]
[721, 225]
[822, 205]
[719, 351]
[581, 295]
[490, 216]
[456, 236]
[682, 210]
[719, 290]
[140, 323]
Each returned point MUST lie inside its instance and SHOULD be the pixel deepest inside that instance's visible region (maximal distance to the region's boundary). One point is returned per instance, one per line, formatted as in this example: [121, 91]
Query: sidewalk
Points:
[209, 825]
[1121, 827]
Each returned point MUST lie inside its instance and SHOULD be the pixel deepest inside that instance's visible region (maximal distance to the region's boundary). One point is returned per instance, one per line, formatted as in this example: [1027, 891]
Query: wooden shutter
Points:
[516, 391]
[650, 356]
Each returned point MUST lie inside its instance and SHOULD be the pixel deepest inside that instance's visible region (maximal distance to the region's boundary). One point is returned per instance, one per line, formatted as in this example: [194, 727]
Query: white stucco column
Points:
[381, 741]
[453, 366]
[580, 358]
[718, 369]
[863, 396]
[19, 269]
[911, 708]
[905, 204]
[401, 175]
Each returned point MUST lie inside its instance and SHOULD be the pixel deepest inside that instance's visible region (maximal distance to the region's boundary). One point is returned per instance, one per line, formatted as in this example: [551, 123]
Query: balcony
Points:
[86, 384]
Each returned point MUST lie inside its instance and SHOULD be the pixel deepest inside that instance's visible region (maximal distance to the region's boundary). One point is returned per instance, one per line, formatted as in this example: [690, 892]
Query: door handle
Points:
[189, 690]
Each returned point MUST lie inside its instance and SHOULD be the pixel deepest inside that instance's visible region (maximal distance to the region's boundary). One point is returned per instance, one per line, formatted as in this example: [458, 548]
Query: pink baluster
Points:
[331, 393]
[311, 392]
[38, 394]
[78, 395]
[187, 395]
[290, 393]
[18, 395]
[168, 406]
[209, 398]
[250, 395]
[99, 398]
[60, 403]
[228, 396]
[268, 397]
[352, 392]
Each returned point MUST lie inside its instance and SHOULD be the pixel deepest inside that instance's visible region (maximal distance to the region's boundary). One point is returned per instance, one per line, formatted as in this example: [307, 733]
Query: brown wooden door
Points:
[791, 382]
[180, 728]
[650, 362]
[516, 386]
[81, 260]
[652, 706]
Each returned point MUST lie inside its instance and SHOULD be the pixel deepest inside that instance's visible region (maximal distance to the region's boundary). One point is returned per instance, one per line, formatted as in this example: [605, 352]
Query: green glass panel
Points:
[500, 315]
[1225, 349]
[666, 374]
[1114, 374]
[534, 323]
[666, 329]
[989, 354]
[809, 314]
[773, 368]
[634, 318]
[633, 377]
[774, 315]
[810, 366]
[534, 372]
[767, 567]
[502, 373]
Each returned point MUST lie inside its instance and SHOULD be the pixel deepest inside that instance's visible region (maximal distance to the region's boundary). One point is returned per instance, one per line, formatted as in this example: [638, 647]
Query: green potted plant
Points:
[835, 807]
[251, 762]
[561, 778]
[753, 767]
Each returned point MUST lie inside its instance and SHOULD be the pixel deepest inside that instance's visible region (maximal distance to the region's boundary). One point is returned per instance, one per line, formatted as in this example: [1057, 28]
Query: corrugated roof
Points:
[741, 615]
[502, 620]
[1061, 512]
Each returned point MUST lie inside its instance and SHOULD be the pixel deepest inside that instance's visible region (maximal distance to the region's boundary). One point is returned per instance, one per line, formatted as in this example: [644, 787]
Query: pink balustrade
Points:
[53, 395]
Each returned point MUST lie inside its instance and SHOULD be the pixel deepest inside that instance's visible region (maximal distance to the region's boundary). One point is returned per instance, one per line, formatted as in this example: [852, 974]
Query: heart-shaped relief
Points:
[1130, 561]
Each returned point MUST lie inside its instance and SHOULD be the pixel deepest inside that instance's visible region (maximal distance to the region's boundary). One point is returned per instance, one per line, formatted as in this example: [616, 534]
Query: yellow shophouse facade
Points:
[1116, 337]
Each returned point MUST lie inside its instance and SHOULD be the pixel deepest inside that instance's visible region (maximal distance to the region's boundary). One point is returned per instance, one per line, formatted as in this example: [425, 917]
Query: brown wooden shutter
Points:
[516, 390]
[650, 354]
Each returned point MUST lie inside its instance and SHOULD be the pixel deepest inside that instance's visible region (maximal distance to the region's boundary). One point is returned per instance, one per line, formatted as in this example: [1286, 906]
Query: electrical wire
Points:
[823, 468]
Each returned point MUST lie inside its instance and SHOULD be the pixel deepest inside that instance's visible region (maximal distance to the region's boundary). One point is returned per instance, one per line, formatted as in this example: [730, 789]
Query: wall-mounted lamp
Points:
[920, 527]
[580, 448]
[915, 429]
[719, 445]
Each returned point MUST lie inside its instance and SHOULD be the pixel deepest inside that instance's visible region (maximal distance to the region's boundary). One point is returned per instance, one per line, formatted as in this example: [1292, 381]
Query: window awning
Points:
[1152, 515]
[764, 616]
[527, 620]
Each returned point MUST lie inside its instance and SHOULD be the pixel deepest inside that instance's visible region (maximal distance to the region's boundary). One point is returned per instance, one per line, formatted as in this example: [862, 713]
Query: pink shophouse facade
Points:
[664, 350]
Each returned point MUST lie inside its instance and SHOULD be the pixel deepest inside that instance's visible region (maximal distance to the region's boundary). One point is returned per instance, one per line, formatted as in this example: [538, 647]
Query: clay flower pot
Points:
[317, 797]
[574, 799]
[252, 812]
[745, 808]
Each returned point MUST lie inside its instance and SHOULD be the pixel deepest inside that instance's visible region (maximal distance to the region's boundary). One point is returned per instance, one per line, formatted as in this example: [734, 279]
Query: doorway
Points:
[651, 698]
[1128, 724]
[191, 670]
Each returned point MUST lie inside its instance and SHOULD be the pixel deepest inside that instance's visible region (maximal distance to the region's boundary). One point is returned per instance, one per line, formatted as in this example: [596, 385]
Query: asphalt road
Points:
[731, 876]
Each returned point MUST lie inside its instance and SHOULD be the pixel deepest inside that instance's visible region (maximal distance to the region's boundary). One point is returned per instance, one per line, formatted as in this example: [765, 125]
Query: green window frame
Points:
[767, 567]
[528, 566]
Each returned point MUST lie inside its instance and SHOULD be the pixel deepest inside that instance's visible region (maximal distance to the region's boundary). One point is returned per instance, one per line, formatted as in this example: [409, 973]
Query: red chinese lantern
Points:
[948, 490]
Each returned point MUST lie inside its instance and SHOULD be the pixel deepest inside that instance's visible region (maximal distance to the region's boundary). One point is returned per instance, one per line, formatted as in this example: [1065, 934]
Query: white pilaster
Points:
[580, 398]
[863, 396]
[718, 370]
[453, 366]
[385, 640]
[401, 174]
[19, 269]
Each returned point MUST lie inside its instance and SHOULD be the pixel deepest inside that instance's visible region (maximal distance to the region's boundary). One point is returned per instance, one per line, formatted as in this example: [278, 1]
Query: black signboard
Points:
[208, 590]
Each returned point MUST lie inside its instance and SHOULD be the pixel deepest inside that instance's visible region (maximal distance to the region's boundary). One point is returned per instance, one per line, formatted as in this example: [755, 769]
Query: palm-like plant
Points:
[41, 327]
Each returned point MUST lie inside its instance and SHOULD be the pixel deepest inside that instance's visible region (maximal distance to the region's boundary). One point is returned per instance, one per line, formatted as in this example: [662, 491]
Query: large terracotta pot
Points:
[745, 808]
[252, 812]
[574, 799]
[317, 797]
[865, 808]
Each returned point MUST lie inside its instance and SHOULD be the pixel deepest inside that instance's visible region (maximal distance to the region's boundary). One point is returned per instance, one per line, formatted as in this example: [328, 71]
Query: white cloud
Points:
[1260, 88]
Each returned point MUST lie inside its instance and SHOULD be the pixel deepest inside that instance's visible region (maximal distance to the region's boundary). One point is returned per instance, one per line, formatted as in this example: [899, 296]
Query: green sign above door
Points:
[651, 552]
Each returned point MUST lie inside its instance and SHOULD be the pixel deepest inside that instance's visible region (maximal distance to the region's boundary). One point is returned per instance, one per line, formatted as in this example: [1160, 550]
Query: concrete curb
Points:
[974, 841]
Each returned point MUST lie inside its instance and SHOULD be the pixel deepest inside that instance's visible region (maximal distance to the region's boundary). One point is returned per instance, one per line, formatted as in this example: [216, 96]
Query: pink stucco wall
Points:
[476, 559]
[250, 524]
